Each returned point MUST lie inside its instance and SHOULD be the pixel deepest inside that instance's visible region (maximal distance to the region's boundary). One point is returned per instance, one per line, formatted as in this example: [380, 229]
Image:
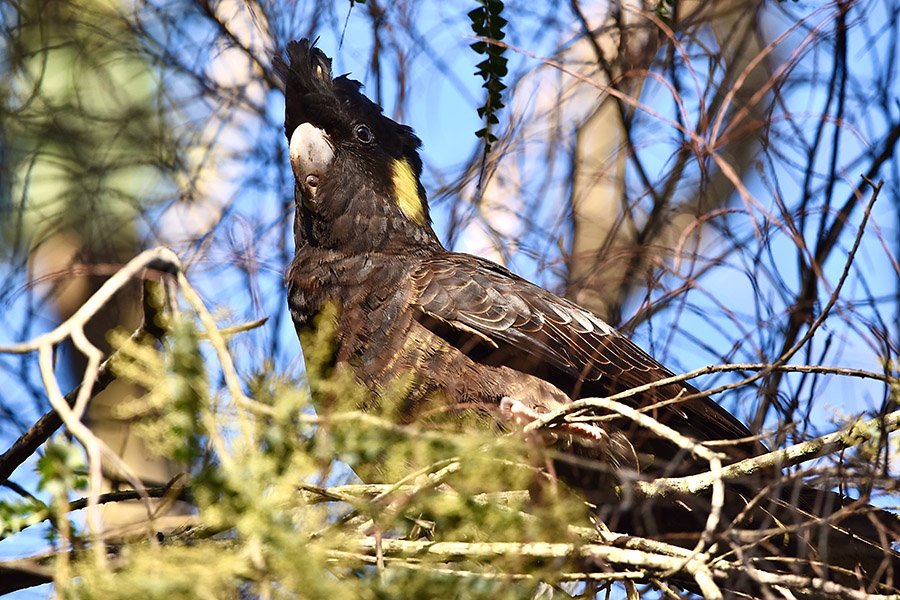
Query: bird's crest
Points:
[336, 105]
[307, 82]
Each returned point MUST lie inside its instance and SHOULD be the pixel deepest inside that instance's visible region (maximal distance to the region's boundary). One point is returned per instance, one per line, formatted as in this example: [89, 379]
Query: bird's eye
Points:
[364, 134]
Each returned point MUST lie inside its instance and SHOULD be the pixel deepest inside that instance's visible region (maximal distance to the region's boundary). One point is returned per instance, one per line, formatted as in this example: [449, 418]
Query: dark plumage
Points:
[471, 332]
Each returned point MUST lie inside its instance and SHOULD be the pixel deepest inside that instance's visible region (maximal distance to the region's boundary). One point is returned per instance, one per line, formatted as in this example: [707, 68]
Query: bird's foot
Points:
[521, 414]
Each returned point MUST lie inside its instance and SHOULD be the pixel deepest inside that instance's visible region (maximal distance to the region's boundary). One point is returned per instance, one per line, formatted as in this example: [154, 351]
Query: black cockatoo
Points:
[474, 334]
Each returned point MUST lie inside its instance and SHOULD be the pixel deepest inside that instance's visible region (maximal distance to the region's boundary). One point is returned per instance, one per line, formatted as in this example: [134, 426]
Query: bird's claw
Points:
[521, 414]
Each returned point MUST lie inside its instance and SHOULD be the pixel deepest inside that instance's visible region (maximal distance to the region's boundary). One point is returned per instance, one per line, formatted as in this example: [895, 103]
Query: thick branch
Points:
[855, 435]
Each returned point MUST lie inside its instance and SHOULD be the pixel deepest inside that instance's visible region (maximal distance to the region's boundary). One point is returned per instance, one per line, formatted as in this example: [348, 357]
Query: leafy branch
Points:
[488, 23]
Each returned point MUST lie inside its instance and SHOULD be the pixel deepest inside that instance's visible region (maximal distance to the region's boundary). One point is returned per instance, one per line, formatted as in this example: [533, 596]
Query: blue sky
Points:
[444, 116]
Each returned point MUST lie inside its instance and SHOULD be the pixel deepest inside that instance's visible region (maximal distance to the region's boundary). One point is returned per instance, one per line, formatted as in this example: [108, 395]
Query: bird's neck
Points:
[368, 234]
[319, 277]
[361, 222]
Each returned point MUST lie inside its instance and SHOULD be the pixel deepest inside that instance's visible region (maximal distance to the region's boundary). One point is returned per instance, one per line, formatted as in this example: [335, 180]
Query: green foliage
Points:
[61, 468]
[488, 22]
[665, 10]
[265, 531]
[16, 515]
[178, 571]
[167, 416]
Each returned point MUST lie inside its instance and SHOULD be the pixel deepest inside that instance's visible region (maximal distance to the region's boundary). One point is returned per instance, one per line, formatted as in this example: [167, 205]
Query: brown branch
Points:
[107, 498]
[23, 573]
[40, 432]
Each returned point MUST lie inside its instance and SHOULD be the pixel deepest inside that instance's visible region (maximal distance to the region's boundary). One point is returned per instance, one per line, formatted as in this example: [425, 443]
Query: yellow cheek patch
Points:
[406, 191]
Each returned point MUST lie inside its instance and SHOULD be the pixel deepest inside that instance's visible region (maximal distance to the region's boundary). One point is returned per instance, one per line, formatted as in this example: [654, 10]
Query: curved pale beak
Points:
[311, 155]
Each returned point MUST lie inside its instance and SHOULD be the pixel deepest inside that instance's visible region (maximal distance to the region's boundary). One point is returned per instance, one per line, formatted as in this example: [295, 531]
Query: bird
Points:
[474, 334]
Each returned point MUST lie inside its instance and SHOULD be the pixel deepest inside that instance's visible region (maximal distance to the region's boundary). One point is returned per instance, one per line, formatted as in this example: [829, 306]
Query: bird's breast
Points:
[378, 333]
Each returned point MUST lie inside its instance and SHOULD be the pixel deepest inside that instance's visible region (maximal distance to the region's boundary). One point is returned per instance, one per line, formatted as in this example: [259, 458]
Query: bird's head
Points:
[357, 172]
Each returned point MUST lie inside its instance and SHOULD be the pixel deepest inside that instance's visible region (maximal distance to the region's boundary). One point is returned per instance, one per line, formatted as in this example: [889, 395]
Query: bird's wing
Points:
[499, 318]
